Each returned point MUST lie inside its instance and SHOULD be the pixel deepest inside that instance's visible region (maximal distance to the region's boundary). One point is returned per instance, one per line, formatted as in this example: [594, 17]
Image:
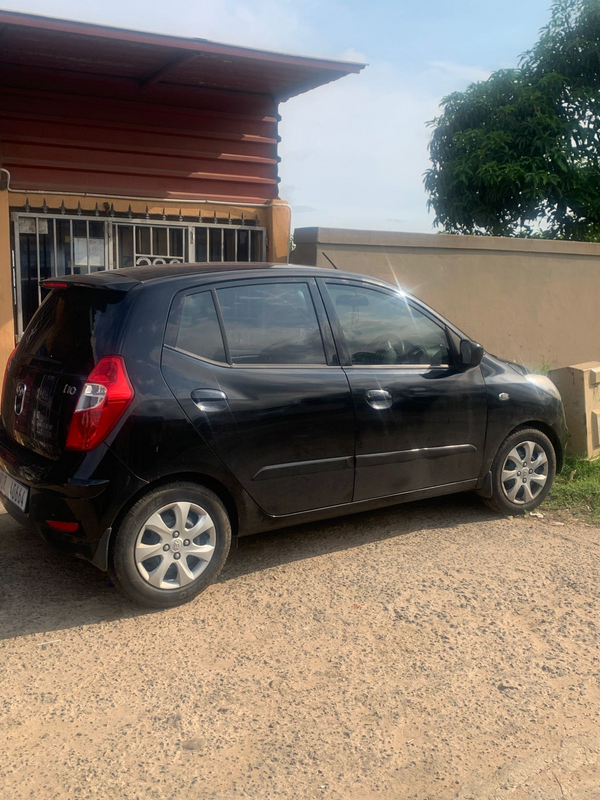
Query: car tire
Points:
[522, 460]
[171, 545]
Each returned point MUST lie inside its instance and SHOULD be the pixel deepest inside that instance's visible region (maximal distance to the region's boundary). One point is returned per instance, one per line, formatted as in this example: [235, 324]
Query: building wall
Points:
[532, 301]
[7, 328]
[111, 136]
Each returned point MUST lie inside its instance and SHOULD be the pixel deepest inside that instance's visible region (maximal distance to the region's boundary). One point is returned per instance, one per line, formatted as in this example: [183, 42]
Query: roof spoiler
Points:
[109, 280]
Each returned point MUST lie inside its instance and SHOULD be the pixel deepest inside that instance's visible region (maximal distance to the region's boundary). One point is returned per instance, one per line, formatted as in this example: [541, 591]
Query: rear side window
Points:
[271, 324]
[73, 328]
[198, 331]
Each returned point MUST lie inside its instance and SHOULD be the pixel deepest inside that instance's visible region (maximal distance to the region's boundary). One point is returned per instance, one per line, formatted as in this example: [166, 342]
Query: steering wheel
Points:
[391, 350]
[413, 353]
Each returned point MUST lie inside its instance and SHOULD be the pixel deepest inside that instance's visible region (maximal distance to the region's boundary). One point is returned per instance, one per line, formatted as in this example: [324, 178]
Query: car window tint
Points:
[199, 332]
[381, 328]
[71, 326]
[271, 324]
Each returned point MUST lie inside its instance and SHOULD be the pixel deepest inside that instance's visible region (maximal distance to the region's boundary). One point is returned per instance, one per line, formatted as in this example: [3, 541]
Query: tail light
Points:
[54, 285]
[105, 397]
[10, 358]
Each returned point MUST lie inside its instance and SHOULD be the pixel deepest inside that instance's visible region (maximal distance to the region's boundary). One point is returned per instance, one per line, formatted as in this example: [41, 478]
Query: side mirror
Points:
[471, 354]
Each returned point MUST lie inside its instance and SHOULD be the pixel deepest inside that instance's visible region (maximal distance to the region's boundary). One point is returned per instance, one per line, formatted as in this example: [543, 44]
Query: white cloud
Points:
[354, 55]
[457, 73]
[268, 24]
[356, 151]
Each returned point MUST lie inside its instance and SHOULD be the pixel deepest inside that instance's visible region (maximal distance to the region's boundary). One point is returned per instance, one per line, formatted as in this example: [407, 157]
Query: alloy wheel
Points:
[524, 473]
[175, 545]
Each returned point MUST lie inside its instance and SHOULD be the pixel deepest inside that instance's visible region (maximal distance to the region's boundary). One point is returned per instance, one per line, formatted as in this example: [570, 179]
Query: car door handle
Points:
[379, 399]
[209, 399]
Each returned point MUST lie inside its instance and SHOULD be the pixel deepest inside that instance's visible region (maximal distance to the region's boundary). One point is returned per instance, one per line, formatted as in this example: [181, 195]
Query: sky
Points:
[353, 152]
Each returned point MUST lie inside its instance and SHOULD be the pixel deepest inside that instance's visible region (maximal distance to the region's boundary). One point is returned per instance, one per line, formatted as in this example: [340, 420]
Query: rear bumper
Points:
[77, 544]
[91, 496]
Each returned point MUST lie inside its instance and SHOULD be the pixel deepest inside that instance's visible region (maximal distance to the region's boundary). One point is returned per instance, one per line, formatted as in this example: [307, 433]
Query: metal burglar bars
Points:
[48, 245]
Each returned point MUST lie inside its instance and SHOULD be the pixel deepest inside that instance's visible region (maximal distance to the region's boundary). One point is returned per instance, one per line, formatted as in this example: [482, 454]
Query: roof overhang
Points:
[32, 41]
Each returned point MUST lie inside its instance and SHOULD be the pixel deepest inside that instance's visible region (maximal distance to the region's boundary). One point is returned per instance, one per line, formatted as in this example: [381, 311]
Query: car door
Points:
[420, 419]
[253, 365]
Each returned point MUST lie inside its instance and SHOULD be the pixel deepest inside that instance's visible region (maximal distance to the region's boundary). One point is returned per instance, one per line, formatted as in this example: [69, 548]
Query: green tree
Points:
[518, 154]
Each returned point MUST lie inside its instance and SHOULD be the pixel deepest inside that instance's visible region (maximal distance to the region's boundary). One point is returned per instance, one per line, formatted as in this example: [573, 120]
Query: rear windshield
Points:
[73, 328]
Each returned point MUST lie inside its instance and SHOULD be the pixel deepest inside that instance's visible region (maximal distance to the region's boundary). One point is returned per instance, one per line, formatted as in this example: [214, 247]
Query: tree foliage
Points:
[518, 154]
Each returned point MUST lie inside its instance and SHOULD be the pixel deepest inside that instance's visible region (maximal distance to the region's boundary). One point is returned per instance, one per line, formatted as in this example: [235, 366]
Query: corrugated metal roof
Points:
[31, 41]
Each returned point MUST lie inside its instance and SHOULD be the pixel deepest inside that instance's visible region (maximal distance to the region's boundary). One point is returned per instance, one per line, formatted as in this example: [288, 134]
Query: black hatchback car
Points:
[150, 414]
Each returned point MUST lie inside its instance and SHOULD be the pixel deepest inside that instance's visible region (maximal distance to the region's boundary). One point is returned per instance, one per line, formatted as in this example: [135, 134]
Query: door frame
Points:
[332, 357]
[384, 457]
[340, 339]
[308, 467]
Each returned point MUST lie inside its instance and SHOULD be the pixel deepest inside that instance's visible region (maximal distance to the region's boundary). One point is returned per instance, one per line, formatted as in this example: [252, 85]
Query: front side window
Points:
[197, 329]
[381, 328]
[271, 324]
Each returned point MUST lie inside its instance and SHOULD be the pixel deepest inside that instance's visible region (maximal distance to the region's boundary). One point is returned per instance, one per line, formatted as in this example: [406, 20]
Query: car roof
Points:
[127, 278]
[161, 271]
[186, 275]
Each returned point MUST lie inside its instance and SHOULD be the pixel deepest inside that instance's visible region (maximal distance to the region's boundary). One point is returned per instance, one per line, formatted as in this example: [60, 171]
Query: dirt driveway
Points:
[427, 652]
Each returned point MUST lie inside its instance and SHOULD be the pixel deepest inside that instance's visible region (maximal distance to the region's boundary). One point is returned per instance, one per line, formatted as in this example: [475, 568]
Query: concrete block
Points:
[579, 386]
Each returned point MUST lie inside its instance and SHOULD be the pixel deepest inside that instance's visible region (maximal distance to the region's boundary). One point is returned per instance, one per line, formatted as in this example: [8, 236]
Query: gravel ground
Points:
[430, 651]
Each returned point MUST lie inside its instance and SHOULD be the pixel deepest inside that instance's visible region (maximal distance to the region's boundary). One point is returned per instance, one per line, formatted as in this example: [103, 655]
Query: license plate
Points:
[13, 490]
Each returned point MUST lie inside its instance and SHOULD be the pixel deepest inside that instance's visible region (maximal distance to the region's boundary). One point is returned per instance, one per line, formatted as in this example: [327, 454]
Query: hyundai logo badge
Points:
[20, 397]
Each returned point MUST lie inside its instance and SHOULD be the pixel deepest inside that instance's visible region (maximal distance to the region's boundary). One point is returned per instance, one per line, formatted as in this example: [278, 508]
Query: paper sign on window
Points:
[81, 252]
[27, 225]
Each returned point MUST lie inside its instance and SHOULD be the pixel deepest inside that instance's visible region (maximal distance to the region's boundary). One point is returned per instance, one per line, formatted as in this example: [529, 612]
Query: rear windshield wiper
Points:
[46, 359]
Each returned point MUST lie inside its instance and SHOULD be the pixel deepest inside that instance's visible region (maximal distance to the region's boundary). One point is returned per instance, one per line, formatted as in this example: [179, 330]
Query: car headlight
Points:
[545, 384]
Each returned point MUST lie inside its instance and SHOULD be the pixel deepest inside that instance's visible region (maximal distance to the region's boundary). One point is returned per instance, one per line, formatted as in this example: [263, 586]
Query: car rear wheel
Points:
[171, 545]
[522, 472]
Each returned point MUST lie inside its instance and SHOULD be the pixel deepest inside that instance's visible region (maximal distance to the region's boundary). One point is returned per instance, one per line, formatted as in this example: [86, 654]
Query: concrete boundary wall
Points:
[530, 300]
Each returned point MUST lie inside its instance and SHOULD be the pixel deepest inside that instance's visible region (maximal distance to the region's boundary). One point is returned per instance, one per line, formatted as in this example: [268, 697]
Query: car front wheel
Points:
[171, 545]
[522, 472]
